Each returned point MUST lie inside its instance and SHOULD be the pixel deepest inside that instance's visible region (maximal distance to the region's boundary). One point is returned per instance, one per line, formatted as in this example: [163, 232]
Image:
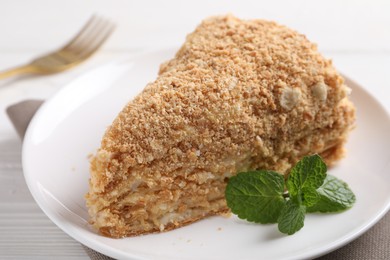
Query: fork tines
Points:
[94, 33]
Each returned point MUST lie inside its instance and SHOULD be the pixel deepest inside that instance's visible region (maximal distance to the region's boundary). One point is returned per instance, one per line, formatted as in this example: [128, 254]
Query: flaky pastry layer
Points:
[238, 95]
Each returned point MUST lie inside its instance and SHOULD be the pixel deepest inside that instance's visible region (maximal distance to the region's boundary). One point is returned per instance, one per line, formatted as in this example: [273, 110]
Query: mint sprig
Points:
[256, 196]
[308, 173]
[260, 197]
[291, 218]
[334, 196]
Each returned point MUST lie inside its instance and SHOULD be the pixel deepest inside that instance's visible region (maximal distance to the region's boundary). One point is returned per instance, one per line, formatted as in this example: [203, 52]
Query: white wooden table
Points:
[355, 34]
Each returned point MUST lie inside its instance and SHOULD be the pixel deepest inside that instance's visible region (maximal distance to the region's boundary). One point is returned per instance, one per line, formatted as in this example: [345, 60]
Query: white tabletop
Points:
[355, 34]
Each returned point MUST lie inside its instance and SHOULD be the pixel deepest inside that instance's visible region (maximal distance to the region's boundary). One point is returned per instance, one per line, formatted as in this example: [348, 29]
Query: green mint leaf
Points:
[291, 218]
[310, 197]
[256, 196]
[308, 173]
[335, 196]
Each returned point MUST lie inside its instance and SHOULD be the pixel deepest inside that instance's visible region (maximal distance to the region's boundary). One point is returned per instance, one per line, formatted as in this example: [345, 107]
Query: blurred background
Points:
[352, 25]
[354, 33]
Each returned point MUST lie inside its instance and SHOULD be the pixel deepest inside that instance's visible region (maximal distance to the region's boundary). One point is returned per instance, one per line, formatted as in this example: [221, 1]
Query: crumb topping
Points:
[238, 95]
[228, 70]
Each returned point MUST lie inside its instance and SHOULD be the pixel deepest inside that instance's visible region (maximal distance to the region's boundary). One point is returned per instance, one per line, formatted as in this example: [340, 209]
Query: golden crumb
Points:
[238, 95]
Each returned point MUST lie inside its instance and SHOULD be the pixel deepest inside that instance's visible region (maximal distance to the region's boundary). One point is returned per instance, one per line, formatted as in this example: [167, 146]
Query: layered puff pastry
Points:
[238, 95]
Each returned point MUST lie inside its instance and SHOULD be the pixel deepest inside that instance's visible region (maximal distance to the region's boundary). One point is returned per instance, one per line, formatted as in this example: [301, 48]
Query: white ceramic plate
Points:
[70, 125]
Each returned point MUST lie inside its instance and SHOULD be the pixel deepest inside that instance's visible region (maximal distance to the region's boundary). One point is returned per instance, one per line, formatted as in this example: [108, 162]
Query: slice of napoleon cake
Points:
[239, 95]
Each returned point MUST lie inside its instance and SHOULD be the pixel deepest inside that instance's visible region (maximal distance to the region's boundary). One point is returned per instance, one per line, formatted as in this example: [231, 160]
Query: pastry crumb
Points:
[290, 98]
[320, 91]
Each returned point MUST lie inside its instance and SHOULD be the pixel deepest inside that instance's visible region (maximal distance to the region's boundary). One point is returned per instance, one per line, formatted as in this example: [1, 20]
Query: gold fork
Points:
[94, 33]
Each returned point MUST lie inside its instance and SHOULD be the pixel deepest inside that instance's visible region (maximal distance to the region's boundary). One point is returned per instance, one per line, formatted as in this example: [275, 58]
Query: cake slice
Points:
[238, 95]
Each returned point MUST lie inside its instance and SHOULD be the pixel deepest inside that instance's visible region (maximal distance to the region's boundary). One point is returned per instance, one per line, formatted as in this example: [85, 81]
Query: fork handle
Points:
[26, 69]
